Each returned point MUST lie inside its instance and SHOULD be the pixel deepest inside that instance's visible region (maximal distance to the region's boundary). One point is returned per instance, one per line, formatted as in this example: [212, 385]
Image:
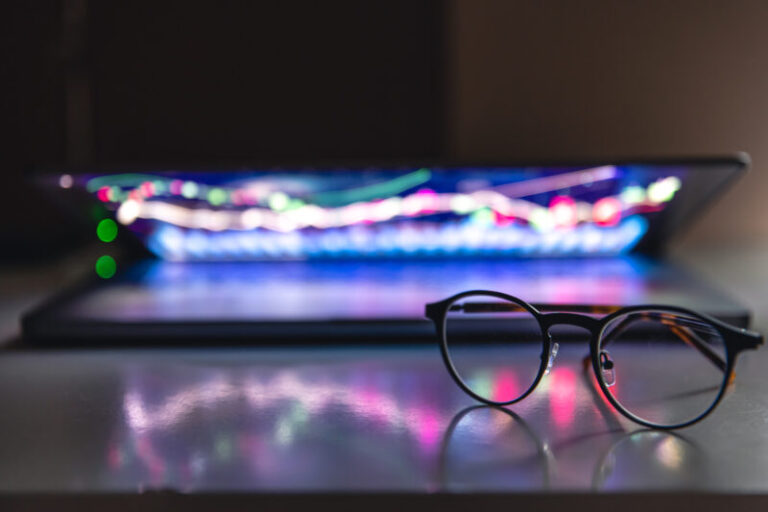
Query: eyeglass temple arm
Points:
[495, 307]
[678, 327]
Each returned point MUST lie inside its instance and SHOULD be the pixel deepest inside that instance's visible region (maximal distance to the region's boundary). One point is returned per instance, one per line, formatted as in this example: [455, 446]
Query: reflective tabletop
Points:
[348, 420]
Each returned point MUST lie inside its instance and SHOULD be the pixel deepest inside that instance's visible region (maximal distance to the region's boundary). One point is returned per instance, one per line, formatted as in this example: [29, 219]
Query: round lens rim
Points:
[545, 341]
[597, 346]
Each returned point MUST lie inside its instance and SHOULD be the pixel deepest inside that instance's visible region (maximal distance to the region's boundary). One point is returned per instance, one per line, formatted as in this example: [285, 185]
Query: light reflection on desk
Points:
[374, 419]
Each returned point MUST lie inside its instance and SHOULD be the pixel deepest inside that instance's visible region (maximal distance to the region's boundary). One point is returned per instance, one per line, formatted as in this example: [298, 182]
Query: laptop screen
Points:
[407, 212]
[357, 252]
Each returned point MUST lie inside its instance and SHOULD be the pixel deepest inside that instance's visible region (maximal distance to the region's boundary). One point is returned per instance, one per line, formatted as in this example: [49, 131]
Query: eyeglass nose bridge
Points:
[585, 322]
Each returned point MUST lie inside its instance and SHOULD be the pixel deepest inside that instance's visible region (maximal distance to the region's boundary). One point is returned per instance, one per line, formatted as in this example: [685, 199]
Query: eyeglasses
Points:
[660, 366]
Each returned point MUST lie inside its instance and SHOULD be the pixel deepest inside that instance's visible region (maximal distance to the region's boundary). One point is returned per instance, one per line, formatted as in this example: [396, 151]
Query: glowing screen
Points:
[409, 212]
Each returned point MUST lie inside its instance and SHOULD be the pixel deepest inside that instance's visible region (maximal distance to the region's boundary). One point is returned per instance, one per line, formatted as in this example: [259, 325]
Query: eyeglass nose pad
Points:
[552, 356]
[607, 368]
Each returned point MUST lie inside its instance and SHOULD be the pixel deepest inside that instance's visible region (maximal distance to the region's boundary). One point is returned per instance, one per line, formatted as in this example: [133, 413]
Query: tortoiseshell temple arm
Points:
[682, 327]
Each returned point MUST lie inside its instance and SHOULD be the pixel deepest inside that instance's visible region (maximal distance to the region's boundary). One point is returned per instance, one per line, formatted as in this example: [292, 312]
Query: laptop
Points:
[337, 254]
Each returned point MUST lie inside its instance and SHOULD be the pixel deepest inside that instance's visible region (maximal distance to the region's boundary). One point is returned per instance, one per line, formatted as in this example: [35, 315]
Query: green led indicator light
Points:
[106, 230]
[106, 267]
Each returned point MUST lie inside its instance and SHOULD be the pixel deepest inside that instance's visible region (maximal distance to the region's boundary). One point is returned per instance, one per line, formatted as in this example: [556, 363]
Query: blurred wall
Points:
[601, 78]
[201, 82]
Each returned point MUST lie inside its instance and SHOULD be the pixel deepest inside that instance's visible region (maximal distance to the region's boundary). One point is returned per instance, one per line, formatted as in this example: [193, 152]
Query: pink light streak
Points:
[562, 396]
[424, 423]
[558, 182]
[505, 386]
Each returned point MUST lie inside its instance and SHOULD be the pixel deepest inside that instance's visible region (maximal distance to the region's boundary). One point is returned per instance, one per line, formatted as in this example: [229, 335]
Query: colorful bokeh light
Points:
[106, 267]
[607, 211]
[564, 212]
[106, 230]
[305, 214]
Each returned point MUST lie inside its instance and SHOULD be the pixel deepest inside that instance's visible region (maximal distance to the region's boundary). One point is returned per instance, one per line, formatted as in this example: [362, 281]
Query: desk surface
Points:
[346, 420]
[352, 419]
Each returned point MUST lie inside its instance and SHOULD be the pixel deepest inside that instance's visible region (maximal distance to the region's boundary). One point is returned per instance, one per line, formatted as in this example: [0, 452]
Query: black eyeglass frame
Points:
[736, 340]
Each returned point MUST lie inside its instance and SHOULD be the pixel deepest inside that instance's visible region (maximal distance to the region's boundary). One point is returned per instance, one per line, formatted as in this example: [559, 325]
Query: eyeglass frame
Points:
[736, 340]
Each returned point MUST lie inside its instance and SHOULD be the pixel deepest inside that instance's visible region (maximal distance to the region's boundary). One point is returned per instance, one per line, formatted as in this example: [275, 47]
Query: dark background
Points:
[90, 83]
